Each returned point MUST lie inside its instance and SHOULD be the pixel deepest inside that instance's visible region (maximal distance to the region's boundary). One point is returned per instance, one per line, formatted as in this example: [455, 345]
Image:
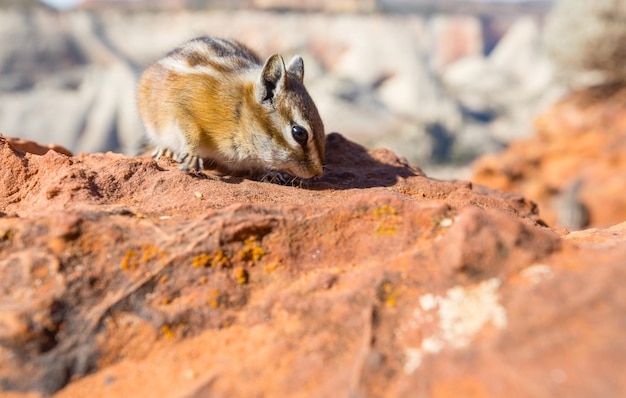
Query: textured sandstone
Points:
[125, 276]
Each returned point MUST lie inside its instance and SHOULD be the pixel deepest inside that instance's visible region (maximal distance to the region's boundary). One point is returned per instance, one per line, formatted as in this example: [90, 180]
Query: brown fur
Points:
[231, 109]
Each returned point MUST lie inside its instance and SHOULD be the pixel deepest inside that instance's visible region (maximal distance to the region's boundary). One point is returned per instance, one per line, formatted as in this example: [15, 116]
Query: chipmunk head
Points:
[290, 119]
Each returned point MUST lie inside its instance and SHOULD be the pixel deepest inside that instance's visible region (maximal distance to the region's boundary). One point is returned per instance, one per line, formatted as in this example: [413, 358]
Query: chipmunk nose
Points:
[309, 172]
[317, 172]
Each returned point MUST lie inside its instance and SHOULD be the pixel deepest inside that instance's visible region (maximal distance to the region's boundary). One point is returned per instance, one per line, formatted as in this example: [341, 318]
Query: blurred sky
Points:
[61, 4]
[66, 4]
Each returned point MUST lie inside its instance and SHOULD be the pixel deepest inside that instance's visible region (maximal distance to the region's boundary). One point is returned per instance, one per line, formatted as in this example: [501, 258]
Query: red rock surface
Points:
[35, 148]
[127, 277]
[580, 141]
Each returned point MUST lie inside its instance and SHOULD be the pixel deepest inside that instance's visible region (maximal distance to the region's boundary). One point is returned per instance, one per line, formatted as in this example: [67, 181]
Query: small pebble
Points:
[446, 222]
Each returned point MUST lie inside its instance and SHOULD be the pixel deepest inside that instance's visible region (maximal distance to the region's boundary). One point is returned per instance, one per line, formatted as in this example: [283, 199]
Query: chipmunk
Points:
[213, 99]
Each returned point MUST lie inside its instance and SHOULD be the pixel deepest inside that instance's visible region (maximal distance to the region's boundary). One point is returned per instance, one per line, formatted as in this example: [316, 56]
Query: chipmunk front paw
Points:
[280, 178]
[160, 152]
[190, 162]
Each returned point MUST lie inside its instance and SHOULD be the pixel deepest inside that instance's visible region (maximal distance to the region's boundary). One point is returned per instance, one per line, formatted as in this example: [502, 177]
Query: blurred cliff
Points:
[585, 39]
[440, 82]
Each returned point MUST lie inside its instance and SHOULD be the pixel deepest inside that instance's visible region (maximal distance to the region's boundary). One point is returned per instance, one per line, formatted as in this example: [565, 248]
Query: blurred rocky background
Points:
[574, 165]
[585, 40]
[439, 82]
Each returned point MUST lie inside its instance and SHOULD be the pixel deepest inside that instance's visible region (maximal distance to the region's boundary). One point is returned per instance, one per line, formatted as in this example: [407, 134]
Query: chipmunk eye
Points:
[299, 134]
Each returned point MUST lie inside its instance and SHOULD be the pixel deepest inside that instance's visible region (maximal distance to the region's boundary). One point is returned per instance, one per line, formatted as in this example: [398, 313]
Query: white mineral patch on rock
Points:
[460, 315]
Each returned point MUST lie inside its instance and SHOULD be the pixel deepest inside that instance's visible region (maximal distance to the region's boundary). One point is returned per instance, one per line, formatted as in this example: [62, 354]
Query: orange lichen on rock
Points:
[387, 295]
[214, 296]
[130, 260]
[388, 220]
[269, 268]
[219, 259]
[150, 252]
[385, 210]
[134, 258]
[386, 230]
[252, 250]
[200, 260]
[167, 332]
[215, 259]
[241, 275]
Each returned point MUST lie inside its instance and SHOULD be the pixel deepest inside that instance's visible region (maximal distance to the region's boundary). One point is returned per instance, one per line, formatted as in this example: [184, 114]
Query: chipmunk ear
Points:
[273, 79]
[296, 67]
